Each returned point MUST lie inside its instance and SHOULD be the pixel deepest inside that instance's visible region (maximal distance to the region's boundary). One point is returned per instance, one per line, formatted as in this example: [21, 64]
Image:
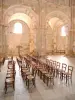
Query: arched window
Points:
[63, 31]
[18, 28]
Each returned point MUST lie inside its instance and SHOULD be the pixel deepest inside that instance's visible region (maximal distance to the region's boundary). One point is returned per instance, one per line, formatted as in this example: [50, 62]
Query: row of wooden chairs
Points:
[43, 70]
[28, 76]
[56, 68]
[50, 69]
[45, 74]
[60, 69]
[10, 76]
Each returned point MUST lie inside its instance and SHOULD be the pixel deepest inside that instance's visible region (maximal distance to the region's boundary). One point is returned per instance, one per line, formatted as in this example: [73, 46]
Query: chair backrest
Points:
[64, 66]
[58, 64]
[54, 63]
[47, 61]
[70, 69]
[50, 62]
[34, 71]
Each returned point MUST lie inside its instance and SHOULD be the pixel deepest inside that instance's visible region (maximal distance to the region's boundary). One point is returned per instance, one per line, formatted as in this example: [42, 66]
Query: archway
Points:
[28, 16]
[15, 39]
[57, 20]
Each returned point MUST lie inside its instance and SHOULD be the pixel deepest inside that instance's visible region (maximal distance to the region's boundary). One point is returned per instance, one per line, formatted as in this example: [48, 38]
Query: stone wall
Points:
[47, 18]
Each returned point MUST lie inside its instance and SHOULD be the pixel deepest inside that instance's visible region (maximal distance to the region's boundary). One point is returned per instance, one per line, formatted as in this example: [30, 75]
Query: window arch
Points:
[63, 31]
[18, 28]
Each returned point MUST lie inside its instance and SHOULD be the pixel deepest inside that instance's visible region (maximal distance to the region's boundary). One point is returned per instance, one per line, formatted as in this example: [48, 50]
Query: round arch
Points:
[26, 14]
[58, 14]
[56, 19]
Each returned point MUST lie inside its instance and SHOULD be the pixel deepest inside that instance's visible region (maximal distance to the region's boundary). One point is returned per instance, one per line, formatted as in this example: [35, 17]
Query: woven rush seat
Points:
[48, 75]
[9, 80]
[9, 75]
[26, 70]
[44, 72]
[28, 73]
[30, 77]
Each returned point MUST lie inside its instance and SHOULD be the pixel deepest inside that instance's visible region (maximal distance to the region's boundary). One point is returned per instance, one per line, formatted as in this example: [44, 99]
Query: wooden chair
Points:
[41, 70]
[10, 76]
[54, 67]
[63, 70]
[23, 73]
[38, 68]
[58, 64]
[31, 78]
[50, 78]
[9, 82]
[47, 61]
[68, 74]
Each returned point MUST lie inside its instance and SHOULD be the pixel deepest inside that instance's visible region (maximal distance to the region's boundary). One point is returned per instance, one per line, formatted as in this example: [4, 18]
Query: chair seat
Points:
[9, 80]
[60, 70]
[9, 70]
[39, 67]
[44, 72]
[49, 75]
[9, 75]
[30, 77]
[66, 73]
[24, 71]
[24, 67]
[41, 70]
[10, 67]
[28, 73]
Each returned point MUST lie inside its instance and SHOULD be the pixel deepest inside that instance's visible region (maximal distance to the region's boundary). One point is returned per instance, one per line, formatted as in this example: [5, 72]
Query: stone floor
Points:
[60, 91]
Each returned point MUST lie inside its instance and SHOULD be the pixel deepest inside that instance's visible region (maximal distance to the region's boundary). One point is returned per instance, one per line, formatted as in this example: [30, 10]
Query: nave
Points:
[59, 91]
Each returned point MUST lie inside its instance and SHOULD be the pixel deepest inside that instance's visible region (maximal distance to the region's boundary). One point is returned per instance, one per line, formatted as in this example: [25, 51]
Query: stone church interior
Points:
[37, 49]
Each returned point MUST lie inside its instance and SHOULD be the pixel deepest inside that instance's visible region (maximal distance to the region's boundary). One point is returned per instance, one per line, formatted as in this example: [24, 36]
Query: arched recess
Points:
[49, 39]
[14, 40]
[27, 15]
[56, 20]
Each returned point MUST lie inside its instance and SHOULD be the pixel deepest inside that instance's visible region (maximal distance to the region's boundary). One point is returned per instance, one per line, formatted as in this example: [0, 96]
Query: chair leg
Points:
[61, 75]
[13, 86]
[47, 81]
[44, 78]
[57, 72]
[5, 87]
[71, 80]
[33, 82]
[53, 81]
[28, 83]
[66, 79]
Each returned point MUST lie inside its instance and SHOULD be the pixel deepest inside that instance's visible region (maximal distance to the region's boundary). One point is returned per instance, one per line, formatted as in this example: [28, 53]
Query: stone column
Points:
[39, 32]
[72, 30]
